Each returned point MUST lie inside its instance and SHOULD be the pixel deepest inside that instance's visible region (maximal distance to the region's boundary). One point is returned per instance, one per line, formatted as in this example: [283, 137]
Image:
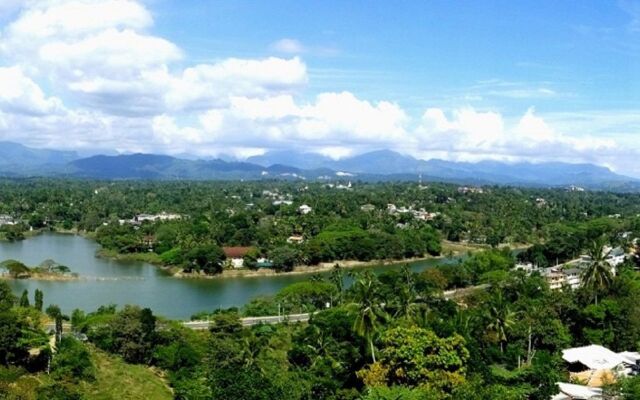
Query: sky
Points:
[466, 80]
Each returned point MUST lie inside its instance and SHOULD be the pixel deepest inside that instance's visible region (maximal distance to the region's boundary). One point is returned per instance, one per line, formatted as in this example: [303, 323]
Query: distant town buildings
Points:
[466, 190]
[569, 274]
[140, 218]
[574, 188]
[420, 214]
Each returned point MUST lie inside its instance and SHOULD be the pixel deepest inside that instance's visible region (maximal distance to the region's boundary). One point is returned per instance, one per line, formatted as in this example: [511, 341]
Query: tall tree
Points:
[54, 312]
[370, 313]
[598, 275]
[501, 319]
[38, 300]
[24, 299]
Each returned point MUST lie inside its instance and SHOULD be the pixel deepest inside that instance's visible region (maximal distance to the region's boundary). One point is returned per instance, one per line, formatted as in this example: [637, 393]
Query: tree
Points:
[597, 276]
[15, 268]
[133, 334]
[207, 257]
[7, 299]
[24, 299]
[72, 362]
[308, 296]
[54, 312]
[369, 310]
[417, 357]
[38, 300]
[500, 319]
[283, 258]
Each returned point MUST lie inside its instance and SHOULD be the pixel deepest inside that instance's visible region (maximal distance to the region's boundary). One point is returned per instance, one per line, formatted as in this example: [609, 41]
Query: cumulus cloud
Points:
[21, 95]
[469, 134]
[93, 70]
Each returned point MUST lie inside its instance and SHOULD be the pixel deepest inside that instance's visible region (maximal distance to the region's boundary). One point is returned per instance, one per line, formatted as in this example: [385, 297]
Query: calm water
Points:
[119, 282]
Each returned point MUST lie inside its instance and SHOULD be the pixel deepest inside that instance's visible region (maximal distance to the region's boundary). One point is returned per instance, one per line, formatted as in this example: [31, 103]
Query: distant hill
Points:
[151, 166]
[15, 155]
[383, 165]
[387, 163]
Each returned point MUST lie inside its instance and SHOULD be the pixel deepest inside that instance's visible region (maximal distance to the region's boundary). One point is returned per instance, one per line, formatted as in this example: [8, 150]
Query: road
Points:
[250, 321]
[276, 319]
[202, 325]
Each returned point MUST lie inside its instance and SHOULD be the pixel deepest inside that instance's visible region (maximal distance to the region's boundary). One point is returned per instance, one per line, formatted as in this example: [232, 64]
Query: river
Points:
[105, 281]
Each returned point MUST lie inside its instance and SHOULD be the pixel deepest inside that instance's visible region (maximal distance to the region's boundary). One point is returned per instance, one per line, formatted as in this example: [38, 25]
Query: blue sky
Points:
[415, 52]
[466, 80]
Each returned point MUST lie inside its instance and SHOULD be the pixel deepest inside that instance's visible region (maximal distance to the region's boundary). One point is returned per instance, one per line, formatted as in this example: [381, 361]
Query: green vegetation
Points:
[396, 335]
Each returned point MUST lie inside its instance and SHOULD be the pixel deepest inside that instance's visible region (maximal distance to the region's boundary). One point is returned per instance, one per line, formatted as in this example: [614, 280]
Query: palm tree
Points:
[369, 309]
[405, 302]
[598, 275]
[501, 319]
[54, 312]
[337, 278]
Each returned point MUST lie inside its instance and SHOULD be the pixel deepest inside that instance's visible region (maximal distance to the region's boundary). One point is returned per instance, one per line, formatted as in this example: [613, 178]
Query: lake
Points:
[105, 281]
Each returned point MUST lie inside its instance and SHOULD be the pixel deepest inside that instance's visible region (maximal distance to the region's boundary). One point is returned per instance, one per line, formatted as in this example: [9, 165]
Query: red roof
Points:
[236, 252]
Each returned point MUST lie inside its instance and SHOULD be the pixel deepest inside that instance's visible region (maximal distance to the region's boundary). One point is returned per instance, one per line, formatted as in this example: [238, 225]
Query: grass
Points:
[116, 379]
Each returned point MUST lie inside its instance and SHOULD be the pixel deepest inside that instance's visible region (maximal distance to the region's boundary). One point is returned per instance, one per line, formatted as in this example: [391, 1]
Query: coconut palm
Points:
[370, 313]
[501, 320]
[598, 275]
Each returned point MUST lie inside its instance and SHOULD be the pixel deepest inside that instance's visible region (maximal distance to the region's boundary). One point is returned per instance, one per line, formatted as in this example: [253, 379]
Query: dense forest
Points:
[362, 221]
[392, 336]
[396, 335]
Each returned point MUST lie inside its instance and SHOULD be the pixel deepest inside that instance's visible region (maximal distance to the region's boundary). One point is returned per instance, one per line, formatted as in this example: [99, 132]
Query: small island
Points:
[48, 270]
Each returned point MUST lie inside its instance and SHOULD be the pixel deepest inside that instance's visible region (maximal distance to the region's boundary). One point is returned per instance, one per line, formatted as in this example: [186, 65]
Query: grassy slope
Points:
[116, 379]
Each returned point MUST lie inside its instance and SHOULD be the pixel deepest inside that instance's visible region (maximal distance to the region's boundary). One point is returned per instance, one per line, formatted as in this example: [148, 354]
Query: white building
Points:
[304, 209]
[6, 220]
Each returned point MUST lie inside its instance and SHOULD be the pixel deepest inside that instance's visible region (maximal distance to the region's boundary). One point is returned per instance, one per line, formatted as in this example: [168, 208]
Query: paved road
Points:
[275, 319]
[250, 321]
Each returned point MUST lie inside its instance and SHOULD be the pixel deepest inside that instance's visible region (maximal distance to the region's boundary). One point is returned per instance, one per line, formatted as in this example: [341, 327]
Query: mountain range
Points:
[17, 160]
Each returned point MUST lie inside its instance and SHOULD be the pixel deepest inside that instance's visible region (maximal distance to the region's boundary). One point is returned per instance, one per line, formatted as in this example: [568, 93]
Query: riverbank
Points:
[449, 250]
[301, 269]
[42, 276]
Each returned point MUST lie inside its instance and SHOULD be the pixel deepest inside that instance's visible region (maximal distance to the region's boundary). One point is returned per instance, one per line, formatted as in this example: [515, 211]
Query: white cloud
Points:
[288, 46]
[208, 85]
[44, 19]
[21, 95]
[127, 89]
[473, 135]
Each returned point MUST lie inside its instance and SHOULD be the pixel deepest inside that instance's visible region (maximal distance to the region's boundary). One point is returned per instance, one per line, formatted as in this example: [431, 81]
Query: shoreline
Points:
[304, 269]
[449, 250]
[43, 277]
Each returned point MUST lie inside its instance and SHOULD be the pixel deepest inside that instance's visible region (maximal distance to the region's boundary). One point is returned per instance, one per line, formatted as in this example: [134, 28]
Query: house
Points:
[304, 209]
[367, 207]
[465, 190]
[526, 267]
[596, 365]
[140, 218]
[235, 255]
[6, 220]
[615, 256]
[570, 391]
[554, 277]
[572, 277]
[295, 239]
